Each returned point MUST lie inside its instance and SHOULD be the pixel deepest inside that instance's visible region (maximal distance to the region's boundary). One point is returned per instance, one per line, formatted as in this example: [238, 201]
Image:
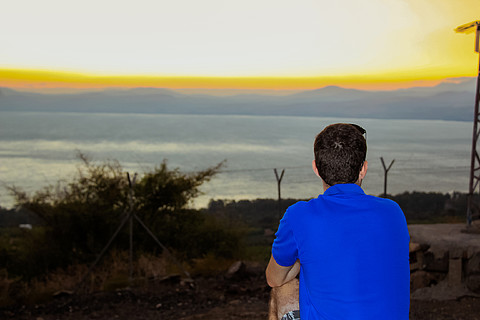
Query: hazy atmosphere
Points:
[248, 44]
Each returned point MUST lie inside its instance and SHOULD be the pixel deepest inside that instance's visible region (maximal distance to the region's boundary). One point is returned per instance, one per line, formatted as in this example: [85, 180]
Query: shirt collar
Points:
[344, 188]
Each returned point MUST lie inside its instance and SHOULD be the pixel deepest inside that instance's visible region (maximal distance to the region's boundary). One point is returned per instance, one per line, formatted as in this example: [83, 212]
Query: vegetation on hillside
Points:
[418, 207]
[79, 218]
[73, 221]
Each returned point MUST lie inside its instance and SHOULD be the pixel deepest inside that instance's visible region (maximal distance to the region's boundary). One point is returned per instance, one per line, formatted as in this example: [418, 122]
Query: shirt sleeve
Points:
[284, 249]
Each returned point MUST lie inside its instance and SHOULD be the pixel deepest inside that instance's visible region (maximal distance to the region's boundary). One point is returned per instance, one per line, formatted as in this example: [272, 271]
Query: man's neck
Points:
[326, 186]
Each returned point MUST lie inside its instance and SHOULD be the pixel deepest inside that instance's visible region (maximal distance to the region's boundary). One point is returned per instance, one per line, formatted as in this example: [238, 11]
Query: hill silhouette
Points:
[450, 100]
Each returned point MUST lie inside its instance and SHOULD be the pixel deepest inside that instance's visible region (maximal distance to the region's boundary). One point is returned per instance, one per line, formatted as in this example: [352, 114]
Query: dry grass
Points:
[112, 274]
[5, 286]
[210, 266]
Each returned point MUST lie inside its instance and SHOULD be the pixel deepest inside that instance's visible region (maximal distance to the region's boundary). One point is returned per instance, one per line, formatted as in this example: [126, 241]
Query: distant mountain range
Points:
[450, 100]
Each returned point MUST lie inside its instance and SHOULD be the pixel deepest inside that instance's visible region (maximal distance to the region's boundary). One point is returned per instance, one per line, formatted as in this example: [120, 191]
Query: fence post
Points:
[385, 169]
[279, 181]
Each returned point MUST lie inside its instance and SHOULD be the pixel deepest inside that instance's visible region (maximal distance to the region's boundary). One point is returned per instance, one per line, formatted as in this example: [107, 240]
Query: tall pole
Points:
[131, 185]
[129, 216]
[475, 159]
[385, 169]
[279, 181]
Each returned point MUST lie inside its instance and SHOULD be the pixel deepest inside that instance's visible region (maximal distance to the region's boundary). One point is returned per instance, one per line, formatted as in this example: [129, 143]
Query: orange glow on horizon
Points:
[45, 79]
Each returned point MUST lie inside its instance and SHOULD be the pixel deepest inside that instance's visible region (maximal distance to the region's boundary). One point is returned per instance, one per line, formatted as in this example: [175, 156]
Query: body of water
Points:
[37, 149]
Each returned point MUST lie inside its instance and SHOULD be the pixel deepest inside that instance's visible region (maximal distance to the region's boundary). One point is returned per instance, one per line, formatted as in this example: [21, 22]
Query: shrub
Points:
[82, 215]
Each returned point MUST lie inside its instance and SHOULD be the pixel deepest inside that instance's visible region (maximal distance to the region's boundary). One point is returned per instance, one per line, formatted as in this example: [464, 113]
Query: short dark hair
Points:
[340, 151]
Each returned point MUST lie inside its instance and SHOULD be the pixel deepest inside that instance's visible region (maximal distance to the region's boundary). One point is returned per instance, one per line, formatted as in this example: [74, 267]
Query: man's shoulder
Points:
[383, 202]
[301, 206]
[313, 205]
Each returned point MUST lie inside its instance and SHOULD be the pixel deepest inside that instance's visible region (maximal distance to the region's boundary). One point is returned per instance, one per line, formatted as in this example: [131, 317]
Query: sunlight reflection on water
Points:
[37, 149]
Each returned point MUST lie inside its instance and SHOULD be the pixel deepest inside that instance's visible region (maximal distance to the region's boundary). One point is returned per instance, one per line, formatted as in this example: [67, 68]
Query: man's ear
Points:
[314, 167]
[363, 171]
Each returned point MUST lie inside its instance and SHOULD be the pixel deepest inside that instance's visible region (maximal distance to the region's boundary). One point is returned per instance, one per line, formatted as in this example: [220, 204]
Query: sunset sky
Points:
[248, 44]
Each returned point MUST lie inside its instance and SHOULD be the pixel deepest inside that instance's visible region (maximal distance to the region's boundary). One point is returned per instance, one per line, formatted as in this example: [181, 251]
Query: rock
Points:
[455, 271]
[442, 292]
[473, 283]
[171, 279]
[416, 260]
[473, 265]
[268, 232]
[237, 269]
[436, 261]
[457, 252]
[414, 247]
[235, 302]
[422, 279]
[188, 282]
[62, 293]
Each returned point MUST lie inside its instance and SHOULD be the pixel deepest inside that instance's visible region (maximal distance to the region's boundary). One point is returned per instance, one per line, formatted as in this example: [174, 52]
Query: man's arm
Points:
[278, 275]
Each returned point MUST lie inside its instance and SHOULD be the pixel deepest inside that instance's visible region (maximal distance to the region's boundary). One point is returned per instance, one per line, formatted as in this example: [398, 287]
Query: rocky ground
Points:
[216, 298]
[243, 294]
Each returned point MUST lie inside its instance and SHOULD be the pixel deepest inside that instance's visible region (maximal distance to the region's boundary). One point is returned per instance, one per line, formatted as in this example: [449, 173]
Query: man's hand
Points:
[278, 275]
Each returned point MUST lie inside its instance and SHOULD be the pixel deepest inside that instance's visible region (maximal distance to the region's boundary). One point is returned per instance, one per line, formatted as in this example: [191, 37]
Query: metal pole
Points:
[130, 257]
[131, 184]
[130, 215]
[100, 256]
[279, 180]
[385, 169]
[385, 185]
[162, 246]
[474, 180]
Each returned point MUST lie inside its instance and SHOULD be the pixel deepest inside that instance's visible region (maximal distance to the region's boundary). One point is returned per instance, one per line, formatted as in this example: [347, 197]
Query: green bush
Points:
[82, 215]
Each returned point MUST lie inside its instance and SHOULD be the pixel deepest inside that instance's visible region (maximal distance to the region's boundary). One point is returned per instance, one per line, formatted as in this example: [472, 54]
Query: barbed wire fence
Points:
[297, 179]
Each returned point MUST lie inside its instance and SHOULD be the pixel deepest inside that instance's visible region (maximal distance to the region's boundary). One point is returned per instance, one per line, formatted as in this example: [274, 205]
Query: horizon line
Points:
[38, 79]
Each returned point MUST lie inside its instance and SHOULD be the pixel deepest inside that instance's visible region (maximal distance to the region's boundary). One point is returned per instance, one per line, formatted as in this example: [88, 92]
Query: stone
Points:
[416, 260]
[268, 232]
[473, 264]
[457, 252]
[473, 283]
[238, 268]
[443, 291]
[455, 271]
[422, 279]
[436, 261]
[62, 293]
[413, 247]
[171, 279]
[188, 282]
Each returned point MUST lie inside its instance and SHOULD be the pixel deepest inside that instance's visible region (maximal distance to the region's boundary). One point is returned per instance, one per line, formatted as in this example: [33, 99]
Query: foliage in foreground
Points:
[81, 216]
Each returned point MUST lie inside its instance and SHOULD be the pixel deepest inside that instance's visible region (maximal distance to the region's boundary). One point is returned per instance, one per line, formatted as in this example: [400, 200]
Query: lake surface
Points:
[37, 149]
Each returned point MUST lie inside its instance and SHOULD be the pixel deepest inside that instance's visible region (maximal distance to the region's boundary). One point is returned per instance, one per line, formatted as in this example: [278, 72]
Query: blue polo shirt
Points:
[353, 252]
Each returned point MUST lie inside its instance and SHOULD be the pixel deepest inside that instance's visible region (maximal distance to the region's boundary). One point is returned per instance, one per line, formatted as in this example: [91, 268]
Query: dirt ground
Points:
[244, 295]
[216, 298]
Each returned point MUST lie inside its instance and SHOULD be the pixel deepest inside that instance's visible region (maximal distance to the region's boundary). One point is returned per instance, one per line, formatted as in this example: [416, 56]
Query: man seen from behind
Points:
[351, 250]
